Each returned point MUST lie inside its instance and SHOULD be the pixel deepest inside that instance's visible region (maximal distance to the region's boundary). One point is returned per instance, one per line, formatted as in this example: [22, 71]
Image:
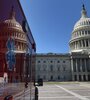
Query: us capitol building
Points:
[73, 66]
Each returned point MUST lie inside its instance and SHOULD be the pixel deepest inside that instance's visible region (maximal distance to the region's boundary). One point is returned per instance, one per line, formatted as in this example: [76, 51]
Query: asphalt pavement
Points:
[65, 91]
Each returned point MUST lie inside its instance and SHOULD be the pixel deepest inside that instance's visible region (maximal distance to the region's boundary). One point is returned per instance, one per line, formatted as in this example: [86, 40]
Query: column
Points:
[77, 70]
[86, 77]
[81, 71]
[81, 65]
[73, 45]
[72, 69]
[86, 70]
[77, 44]
[88, 43]
[82, 78]
[85, 43]
[81, 43]
[85, 66]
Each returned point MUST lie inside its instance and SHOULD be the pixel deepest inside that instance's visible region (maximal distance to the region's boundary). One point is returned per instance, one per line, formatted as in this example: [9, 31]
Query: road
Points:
[65, 91]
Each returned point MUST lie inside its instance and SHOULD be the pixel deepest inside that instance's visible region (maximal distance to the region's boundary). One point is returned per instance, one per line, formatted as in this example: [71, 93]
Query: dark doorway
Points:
[75, 77]
[51, 78]
[84, 77]
[88, 77]
[80, 78]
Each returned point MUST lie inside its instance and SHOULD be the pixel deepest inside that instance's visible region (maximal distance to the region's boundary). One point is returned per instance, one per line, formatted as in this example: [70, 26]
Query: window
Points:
[51, 77]
[86, 32]
[63, 61]
[51, 61]
[58, 61]
[58, 77]
[44, 61]
[51, 68]
[82, 32]
[38, 61]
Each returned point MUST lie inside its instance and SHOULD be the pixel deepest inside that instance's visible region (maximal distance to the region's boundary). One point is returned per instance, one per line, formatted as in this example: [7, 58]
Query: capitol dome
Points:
[82, 23]
[10, 28]
[11, 23]
[80, 39]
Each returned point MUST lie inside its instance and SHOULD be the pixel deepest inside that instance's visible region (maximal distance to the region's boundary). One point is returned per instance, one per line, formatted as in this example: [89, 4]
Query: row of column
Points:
[80, 65]
[76, 74]
[80, 78]
[20, 46]
[80, 44]
[80, 33]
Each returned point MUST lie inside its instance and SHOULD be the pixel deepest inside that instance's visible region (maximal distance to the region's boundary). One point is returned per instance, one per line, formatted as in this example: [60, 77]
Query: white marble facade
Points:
[53, 67]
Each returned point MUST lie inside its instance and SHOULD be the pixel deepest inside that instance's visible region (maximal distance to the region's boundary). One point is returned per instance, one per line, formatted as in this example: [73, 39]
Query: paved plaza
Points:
[65, 91]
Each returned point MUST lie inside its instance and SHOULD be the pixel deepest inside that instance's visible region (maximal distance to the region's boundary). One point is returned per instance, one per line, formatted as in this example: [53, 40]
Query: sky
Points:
[52, 22]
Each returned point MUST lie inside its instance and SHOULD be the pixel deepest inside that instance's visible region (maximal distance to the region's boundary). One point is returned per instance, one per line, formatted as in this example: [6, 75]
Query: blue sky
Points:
[52, 21]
